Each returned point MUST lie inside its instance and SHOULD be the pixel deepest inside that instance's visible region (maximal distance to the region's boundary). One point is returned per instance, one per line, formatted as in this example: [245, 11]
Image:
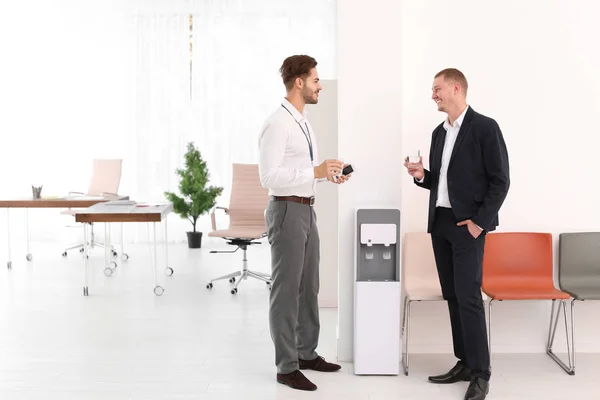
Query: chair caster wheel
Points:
[209, 286]
[231, 280]
[159, 290]
[234, 291]
[124, 257]
[29, 257]
[114, 253]
[108, 271]
[81, 250]
[169, 271]
[64, 254]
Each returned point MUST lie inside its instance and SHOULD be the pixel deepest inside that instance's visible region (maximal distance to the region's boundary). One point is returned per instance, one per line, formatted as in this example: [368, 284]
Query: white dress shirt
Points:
[443, 199]
[285, 165]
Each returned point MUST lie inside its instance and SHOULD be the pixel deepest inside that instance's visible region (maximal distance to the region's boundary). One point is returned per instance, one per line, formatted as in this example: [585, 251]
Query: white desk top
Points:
[124, 211]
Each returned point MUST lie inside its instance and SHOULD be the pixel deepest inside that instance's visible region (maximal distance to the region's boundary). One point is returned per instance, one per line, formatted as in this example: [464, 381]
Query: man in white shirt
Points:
[468, 182]
[289, 168]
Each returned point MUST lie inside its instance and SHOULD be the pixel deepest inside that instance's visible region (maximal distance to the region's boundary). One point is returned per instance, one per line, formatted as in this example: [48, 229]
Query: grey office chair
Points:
[579, 276]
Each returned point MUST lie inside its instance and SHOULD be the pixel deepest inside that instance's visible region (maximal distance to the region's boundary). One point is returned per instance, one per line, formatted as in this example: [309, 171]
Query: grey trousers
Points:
[293, 311]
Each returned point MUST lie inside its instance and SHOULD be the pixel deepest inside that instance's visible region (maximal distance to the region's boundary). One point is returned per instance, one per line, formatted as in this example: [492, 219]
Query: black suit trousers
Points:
[459, 257]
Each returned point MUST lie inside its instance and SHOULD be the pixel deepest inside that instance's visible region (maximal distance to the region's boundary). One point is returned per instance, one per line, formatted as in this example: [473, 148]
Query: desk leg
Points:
[29, 257]
[124, 256]
[158, 290]
[109, 266]
[85, 258]
[168, 270]
[9, 263]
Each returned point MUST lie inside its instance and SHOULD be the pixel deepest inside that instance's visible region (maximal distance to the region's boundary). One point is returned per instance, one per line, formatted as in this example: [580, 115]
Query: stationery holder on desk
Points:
[37, 192]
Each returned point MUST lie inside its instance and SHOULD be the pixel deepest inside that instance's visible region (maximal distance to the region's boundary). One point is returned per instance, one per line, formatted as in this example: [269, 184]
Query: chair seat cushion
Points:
[239, 233]
[423, 293]
[524, 292]
[417, 288]
[585, 293]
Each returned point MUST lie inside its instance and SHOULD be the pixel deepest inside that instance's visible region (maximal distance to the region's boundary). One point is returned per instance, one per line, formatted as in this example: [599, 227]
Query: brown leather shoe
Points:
[319, 364]
[296, 380]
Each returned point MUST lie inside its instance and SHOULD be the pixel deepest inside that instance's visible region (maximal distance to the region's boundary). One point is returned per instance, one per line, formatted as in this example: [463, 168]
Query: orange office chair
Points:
[247, 224]
[518, 266]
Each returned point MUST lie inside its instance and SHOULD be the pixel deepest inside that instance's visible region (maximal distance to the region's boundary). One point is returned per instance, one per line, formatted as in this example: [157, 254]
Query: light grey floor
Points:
[122, 342]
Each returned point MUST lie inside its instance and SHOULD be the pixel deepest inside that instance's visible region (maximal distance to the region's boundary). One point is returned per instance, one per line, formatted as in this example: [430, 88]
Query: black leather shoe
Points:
[296, 380]
[318, 364]
[478, 389]
[458, 373]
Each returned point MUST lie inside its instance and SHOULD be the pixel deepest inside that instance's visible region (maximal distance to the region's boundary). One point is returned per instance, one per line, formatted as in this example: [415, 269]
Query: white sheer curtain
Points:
[88, 79]
[219, 95]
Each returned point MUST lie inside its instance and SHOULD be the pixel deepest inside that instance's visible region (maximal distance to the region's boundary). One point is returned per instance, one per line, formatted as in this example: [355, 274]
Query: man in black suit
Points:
[468, 182]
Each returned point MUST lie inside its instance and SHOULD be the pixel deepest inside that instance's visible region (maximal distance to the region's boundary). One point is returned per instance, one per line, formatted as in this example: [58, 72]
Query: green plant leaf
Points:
[196, 198]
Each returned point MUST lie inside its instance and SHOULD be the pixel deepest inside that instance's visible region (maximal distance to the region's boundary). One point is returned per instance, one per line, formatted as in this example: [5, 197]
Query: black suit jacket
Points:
[478, 172]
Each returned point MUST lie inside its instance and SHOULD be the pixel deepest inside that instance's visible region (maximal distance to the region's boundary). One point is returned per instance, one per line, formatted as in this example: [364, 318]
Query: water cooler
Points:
[377, 292]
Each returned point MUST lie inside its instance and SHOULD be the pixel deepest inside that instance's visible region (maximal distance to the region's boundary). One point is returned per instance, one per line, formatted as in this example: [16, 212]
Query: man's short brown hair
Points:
[297, 66]
[454, 75]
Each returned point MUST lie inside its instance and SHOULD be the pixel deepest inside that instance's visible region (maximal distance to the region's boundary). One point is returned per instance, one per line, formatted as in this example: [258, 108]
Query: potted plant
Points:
[197, 199]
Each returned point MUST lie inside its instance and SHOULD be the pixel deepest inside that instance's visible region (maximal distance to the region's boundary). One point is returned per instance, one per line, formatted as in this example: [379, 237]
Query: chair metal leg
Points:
[405, 333]
[569, 369]
[245, 273]
[93, 242]
[258, 276]
[228, 276]
[489, 328]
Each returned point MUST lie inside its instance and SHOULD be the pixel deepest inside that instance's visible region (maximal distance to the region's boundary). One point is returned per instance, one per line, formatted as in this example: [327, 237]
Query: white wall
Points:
[537, 76]
[369, 122]
[323, 119]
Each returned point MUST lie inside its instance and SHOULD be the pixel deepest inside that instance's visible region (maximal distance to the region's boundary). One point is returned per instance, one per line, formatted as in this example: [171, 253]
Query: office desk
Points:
[59, 202]
[107, 212]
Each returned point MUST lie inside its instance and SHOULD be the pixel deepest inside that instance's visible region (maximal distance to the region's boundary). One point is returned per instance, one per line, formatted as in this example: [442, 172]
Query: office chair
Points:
[579, 276]
[246, 212]
[106, 177]
[519, 266]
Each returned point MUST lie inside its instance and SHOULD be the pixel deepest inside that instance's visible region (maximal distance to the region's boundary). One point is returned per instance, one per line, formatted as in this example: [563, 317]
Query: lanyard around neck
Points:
[307, 136]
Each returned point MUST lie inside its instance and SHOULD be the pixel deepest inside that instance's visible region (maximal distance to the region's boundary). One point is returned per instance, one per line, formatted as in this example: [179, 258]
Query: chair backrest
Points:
[520, 258]
[248, 198]
[106, 177]
[418, 261]
[579, 262]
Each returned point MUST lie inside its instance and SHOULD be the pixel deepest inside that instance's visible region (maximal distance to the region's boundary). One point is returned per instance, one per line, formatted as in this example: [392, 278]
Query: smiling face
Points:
[449, 91]
[444, 93]
[310, 87]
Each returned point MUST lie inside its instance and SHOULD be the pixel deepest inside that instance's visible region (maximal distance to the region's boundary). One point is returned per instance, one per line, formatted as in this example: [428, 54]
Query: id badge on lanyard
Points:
[306, 135]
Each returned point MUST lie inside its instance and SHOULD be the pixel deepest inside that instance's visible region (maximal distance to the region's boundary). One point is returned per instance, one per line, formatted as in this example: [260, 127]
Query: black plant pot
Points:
[194, 240]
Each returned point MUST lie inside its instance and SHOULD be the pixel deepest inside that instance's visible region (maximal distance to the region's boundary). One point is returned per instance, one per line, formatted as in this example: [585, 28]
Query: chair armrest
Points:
[213, 219]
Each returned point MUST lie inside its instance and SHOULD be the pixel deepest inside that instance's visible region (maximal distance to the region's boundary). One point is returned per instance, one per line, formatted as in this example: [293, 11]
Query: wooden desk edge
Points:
[56, 203]
[119, 217]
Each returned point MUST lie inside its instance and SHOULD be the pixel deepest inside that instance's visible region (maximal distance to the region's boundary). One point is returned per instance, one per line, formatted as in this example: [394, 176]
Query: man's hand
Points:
[338, 180]
[328, 168]
[474, 230]
[415, 170]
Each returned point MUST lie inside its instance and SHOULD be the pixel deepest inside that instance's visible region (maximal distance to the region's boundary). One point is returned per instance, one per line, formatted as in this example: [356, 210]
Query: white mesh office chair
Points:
[246, 212]
[106, 177]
